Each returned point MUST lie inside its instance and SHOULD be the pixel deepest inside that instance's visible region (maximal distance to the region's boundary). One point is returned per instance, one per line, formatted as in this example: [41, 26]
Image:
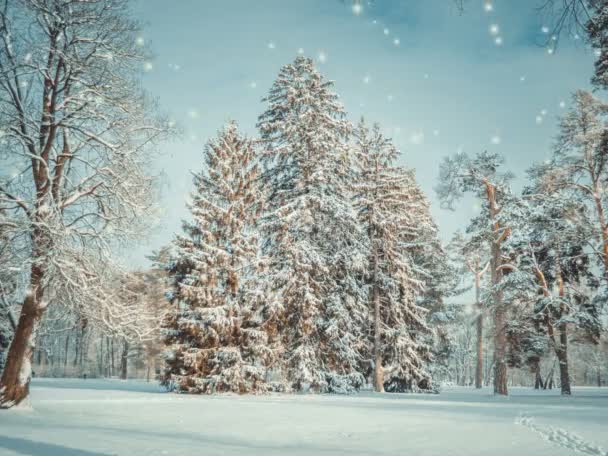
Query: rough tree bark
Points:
[560, 345]
[124, 358]
[15, 380]
[500, 337]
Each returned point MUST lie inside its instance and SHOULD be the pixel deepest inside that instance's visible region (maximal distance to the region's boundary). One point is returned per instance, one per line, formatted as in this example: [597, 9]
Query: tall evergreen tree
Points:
[397, 220]
[215, 340]
[312, 241]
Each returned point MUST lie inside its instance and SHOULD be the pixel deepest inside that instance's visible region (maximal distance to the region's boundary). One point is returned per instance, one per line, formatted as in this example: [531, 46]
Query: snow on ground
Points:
[110, 417]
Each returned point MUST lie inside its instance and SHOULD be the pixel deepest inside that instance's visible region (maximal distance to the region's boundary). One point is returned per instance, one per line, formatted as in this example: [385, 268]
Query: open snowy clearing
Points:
[105, 417]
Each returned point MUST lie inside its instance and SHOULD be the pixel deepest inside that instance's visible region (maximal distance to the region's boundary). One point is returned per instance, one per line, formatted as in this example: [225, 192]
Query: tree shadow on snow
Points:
[30, 447]
[99, 385]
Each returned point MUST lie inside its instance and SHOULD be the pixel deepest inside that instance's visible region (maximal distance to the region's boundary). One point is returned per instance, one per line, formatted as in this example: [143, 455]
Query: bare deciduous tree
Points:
[75, 131]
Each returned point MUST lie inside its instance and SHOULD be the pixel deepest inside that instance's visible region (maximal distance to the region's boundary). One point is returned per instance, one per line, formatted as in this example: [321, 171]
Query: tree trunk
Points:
[15, 381]
[561, 350]
[500, 336]
[500, 362]
[124, 360]
[538, 379]
[561, 346]
[479, 366]
[378, 371]
[564, 376]
[150, 368]
[76, 350]
[66, 352]
[112, 369]
[603, 227]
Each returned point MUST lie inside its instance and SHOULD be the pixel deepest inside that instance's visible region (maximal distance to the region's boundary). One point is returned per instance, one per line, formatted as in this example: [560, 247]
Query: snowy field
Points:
[104, 417]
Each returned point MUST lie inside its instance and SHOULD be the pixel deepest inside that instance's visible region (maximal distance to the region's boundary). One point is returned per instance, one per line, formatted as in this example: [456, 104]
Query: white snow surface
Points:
[111, 417]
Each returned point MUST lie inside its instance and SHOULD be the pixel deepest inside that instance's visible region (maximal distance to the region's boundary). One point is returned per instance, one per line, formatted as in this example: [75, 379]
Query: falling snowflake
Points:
[544, 29]
[140, 41]
[494, 29]
[322, 57]
[550, 51]
[498, 41]
[396, 41]
[522, 78]
[417, 137]
[148, 66]
[357, 9]
[253, 84]
[426, 75]
[597, 52]
[389, 98]
[488, 7]
[543, 112]
[193, 114]
[386, 31]
[367, 79]
[301, 51]
[435, 132]
[562, 104]
[271, 45]
[539, 120]
[174, 66]
[27, 58]
[495, 140]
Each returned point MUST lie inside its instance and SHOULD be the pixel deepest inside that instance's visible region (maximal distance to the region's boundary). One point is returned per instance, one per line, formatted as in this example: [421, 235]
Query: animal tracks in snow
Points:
[561, 437]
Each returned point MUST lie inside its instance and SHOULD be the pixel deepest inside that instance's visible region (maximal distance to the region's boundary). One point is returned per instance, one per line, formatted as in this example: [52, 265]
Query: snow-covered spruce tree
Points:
[396, 217]
[481, 176]
[445, 268]
[214, 341]
[311, 237]
[77, 136]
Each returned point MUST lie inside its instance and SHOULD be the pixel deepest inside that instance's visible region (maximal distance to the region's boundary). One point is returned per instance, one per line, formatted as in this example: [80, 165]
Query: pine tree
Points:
[397, 220]
[215, 340]
[597, 30]
[551, 229]
[482, 177]
[312, 241]
[579, 164]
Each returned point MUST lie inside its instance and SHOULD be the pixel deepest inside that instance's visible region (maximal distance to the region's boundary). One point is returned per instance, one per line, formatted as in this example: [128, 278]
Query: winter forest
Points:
[285, 254]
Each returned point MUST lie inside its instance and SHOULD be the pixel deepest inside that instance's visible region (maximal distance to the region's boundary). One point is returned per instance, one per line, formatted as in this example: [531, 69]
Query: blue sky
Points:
[436, 80]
